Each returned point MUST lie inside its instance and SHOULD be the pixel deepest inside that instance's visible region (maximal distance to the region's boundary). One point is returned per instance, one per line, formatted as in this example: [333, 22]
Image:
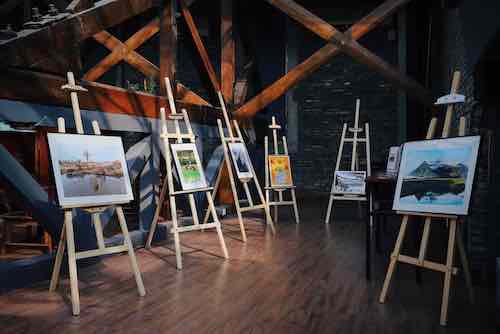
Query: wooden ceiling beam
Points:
[123, 51]
[168, 45]
[353, 49]
[200, 46]
[32, 47]
[228, 53]
[46, 89]
[316, 60]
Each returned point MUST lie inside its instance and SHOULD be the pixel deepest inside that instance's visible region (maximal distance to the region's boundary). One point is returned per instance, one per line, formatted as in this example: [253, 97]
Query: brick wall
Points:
[327, 99]
[454, 56]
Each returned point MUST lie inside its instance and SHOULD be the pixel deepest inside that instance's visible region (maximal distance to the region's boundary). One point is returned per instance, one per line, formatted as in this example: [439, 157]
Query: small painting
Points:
[281, 174]
[188, 164]
[393, 160]
[89, 170]
[241, 160]
[435, 176]
[350, 182]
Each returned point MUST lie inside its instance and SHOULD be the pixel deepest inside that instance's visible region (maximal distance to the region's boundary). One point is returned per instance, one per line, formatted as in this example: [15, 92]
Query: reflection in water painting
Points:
[89, 170]
[436, 176]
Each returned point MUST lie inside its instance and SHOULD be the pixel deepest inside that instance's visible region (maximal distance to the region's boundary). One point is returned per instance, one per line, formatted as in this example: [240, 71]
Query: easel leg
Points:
[58, 261]
[177, 242]
[266, 207]
[268, 200]
[211, 208]
[275, 209]
[154, 223]
[214, 192]
[73, 276]
[98, 230]
[465, 264]
[295, 207]
[394, 259]
[448, 273]
[131, 253]
[329, 210]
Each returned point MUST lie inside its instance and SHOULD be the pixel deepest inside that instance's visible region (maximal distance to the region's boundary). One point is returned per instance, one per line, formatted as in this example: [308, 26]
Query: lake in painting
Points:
[436, 175]
[91, 185]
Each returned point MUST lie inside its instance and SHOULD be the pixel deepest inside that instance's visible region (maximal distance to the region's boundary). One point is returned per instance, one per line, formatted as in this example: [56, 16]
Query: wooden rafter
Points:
[46, 89]
[78, 5]
[125, 51]
[33, 47]
[352, 48]
[316, 60]
[228, 54]
[200, 46]
[168, 45]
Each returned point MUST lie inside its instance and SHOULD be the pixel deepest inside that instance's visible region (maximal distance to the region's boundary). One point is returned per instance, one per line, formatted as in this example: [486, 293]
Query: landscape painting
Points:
[89, 170]
[281, 174]
[189, 168]
[436, 176]
[349, 182]
[241, 160]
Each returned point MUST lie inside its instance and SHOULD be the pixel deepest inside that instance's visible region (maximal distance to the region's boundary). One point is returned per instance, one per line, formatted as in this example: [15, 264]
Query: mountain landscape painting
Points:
[436, 176]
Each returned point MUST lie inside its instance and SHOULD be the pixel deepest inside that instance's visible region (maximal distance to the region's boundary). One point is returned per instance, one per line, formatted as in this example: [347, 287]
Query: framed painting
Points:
[436, 176]
[241, 160]
[89, 170]
[280, 171]
[189, 168]
[349, 182]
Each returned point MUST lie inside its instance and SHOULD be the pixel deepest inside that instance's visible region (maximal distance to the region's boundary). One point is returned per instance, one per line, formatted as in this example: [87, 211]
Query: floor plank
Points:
[307, 279]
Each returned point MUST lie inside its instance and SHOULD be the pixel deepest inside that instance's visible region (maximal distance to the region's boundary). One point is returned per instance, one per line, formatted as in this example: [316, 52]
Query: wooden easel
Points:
[251, 206]
[178, 138]
[67, 236]
[278, 190]
[454, 230]
[356, 131]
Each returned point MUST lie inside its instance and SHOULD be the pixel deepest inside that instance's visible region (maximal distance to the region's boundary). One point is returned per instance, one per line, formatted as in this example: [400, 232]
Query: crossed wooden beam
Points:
[337, 42]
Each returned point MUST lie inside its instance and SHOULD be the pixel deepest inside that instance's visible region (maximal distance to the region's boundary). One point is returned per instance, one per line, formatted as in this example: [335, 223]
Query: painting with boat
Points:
[89, 170]
[436, 176]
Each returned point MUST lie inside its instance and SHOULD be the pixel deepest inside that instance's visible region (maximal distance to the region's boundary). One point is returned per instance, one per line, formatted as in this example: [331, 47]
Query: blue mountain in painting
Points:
[437, 169]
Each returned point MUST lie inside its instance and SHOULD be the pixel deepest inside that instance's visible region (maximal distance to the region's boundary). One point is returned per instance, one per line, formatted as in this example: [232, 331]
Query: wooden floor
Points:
[307, 279]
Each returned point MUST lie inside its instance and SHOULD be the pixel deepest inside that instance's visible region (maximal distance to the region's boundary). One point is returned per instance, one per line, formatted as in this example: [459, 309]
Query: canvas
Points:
[349, 182]
[436, 176]
[241, 160]
[393, 160]
[89, 170]
[188, 164]
[280, 172]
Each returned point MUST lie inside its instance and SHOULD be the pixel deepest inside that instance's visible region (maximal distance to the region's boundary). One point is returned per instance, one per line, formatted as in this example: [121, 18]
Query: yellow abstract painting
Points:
[279, 167]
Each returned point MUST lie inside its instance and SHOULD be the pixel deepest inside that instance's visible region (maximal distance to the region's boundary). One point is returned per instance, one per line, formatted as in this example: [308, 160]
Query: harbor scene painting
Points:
[89, 170]
[436, 175]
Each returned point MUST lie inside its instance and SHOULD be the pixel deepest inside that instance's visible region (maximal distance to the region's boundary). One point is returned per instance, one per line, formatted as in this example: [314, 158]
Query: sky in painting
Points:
[100, 148]
[447, 155]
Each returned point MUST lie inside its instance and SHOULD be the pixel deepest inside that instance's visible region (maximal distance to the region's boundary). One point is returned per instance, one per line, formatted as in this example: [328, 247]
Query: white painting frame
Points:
[348, 182]
[77, 180]
[436, 176]
[241, 160]
[198, 181]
